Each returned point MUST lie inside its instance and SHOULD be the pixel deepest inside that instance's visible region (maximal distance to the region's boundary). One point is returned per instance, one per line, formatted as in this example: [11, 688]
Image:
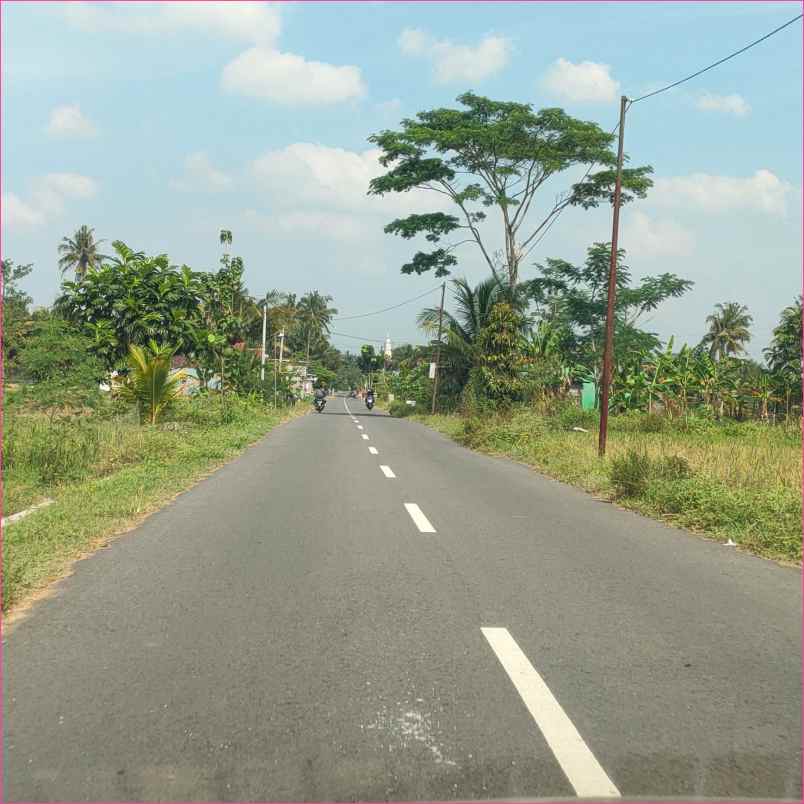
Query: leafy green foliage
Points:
[133, 301]
[61, 371]
[493, 155]
[574, 300]
[150, 383]
[499, 356]
[16, 318]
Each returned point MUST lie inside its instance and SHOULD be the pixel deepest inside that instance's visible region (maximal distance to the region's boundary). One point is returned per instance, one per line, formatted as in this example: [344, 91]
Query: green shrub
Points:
[400, 409]
[672, 467]
[473, 433]
[630, 473]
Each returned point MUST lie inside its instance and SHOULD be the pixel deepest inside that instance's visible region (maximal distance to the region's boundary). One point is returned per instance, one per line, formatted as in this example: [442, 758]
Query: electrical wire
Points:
[355, 337]
[720, 61]
[664, 89]
[386, 309]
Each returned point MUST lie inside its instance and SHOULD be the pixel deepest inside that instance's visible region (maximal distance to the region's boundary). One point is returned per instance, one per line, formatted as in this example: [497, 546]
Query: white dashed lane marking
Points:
[581, 768]
[421, 521]
[386, 470]
[373, 450]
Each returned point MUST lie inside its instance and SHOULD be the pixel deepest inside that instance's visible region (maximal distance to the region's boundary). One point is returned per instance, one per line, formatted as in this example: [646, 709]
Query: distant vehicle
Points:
[319, 404]
[370, 399]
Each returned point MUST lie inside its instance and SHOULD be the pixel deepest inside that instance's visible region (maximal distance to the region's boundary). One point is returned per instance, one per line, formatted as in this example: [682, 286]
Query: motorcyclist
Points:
[370, 398]
[320, 394]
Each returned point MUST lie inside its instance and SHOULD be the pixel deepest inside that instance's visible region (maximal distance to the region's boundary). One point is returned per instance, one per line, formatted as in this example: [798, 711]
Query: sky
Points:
[159, 124]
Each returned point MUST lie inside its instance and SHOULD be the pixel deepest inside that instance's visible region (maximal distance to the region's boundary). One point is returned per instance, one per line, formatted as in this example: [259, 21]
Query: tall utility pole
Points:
[274, 362]
[438, 347]
[608, 349]
[264, 324]
[281, 348]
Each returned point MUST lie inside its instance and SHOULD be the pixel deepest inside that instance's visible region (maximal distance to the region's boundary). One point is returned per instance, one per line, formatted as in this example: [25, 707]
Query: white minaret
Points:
[387, 349]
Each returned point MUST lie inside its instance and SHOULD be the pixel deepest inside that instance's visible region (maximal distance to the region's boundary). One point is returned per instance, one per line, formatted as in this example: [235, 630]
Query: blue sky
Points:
[159, 124]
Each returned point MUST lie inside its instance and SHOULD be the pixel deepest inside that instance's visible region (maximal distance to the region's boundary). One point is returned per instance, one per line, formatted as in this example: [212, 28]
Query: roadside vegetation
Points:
[139, 380]
[701, 434]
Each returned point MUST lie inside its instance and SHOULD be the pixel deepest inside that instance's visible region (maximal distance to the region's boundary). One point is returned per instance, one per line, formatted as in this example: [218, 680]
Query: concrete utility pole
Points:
[264, 324]
[438, 347]
[281, 348]
[608, 349]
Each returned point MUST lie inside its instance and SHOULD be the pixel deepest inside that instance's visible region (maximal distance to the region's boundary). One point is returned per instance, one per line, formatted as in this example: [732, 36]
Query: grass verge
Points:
[124, 473]
[738, 481]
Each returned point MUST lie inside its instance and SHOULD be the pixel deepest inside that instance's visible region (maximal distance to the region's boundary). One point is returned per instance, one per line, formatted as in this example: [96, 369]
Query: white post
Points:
[281, 348]
[264, 322]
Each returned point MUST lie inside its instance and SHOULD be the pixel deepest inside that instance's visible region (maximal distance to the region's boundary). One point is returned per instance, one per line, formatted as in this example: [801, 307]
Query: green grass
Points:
[734, 480]
[106, 475]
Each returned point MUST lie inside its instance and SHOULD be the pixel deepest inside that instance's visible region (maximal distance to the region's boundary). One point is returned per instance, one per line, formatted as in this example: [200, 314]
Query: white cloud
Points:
[201, 174]
[645, 237]
[314, 223]
[243, 21]
[68, 121]
[585, 82]
[47, 200]
[763, 192]
[454, 62]
[290, 79]
[306, 173]
[730, 104]
[19, 215]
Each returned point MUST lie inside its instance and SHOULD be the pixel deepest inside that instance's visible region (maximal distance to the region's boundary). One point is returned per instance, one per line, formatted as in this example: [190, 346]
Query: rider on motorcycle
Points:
[320, 395]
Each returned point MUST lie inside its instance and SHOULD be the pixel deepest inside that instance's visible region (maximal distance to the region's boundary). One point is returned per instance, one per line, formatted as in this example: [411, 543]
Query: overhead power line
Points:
[386, 309]
[355, 337]
[720, 61]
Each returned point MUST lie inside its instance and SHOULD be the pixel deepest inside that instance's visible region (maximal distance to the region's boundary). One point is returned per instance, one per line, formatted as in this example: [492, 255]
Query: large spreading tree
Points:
[494, 155]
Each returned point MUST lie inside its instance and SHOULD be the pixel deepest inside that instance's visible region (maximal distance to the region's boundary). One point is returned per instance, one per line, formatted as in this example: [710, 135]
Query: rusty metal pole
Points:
[438, 348]
[608, 349]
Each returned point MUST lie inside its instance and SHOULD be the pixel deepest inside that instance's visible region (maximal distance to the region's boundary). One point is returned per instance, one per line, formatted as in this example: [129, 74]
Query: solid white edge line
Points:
[373, 450]
[583, 771]
[386, 470]
[420, 520]
[364, 437]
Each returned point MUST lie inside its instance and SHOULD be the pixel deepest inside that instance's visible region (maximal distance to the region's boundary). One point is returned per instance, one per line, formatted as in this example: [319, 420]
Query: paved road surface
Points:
[306, 625]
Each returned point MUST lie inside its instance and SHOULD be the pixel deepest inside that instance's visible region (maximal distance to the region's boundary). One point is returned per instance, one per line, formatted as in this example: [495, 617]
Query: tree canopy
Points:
[494, 155]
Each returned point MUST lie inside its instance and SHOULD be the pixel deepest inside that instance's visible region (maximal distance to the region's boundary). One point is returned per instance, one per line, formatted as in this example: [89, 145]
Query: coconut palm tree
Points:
[315, 315]
[80, 252]
[728, 330]
[472, 308]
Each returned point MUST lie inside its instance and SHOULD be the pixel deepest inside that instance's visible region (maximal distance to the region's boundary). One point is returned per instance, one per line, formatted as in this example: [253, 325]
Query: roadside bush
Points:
[630, 473]
[672, 467]
[401, 409]
[473, 433]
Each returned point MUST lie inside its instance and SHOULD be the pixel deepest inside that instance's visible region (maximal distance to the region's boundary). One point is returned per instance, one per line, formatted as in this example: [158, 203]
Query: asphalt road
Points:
[306, 625]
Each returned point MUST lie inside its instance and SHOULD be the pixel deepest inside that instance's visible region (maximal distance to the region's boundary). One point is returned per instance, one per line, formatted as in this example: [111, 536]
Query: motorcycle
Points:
[319, 405]
[369, 401]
